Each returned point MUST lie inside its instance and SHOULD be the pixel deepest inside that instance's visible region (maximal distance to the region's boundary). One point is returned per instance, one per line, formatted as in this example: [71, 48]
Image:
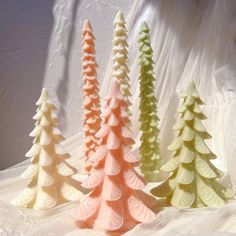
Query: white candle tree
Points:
[120, 68]
[51, 181]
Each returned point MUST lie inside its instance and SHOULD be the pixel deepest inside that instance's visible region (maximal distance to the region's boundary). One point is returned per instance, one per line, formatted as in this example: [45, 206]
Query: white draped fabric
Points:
[191, 39]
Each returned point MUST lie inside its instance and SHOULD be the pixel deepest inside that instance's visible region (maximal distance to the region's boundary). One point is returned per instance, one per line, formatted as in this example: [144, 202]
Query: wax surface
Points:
[91, 103]
[116, 202]
[149, 149]
[120, 68]
[51, 181]
[194, 181]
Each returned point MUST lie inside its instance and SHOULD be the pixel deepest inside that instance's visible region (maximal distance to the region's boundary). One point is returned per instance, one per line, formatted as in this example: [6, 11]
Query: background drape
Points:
[191, 40]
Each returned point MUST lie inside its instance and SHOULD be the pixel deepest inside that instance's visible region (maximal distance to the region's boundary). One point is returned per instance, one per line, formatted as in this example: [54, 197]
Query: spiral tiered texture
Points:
[194, 181]
[91, 104]
[116, 202]
[149, 149]
[51, 181]
[120, 68]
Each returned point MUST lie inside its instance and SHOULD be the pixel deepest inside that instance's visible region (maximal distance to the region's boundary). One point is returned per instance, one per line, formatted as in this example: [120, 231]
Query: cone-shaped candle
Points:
[194, 181]
[50, 175]
[149, 149]
[120, 68]
[116, 202]
[91, 98]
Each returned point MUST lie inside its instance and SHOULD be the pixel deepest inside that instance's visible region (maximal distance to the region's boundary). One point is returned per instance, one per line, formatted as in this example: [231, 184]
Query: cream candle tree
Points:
[91, 98]
[51, 181]
[194, 181]
[116, 201]
[120, 68]
[149, 149]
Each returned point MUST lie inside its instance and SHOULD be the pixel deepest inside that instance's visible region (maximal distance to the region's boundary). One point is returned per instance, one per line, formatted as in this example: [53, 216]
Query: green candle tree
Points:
[149, 149]
[194, 181]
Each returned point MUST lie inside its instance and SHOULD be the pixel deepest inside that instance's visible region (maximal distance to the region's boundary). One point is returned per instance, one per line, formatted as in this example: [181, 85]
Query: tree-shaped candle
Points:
[194, 181]
[120, 68]
[149, 149]
[116, 202]
[91, 98]
[51, 181]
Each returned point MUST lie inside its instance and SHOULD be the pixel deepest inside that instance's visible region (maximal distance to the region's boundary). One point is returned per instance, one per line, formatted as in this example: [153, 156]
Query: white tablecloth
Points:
[191, 40]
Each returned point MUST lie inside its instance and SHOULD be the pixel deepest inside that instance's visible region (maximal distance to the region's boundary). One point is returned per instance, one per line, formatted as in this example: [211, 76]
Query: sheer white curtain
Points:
[191, 39]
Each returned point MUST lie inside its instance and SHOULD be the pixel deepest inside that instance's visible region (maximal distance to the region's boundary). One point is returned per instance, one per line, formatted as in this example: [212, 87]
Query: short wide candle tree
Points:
[50, 175]
[116, 202]
[194, 181]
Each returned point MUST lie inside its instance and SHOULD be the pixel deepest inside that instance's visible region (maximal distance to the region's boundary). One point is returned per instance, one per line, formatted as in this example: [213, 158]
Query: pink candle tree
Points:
[91, 103]
[116, 202]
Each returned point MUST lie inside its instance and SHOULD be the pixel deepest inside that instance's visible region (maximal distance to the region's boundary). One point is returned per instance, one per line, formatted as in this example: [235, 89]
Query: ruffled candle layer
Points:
[116, 201]
[91, 100]
[194, 181]
[51, 181]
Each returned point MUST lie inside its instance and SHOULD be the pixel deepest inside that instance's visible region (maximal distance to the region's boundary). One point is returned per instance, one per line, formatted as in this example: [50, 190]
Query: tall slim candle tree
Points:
[50, 175]
[91, 103]
[149, 149]
[120, 68]
[194, 181]
[116, 201]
